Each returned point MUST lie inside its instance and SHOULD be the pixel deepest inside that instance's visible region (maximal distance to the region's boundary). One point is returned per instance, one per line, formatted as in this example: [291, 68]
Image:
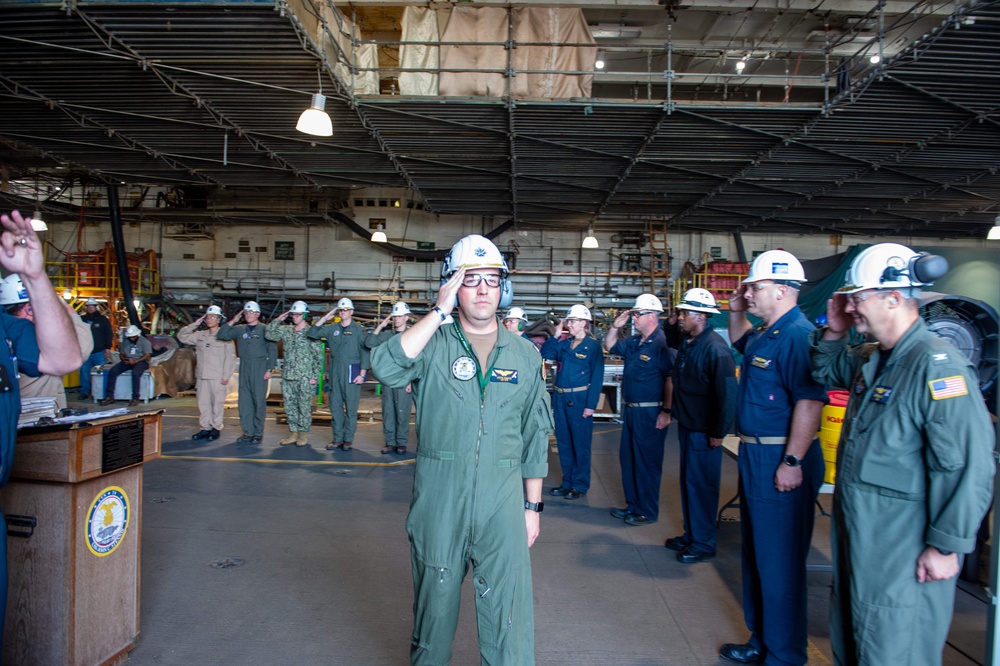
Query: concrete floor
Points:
[286, 555]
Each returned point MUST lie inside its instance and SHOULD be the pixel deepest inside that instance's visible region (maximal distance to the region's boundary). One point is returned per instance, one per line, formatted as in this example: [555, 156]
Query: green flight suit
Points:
[257, 356]
[476, 447]
[914, 469]
[397, 404]
[303, 360]
[347, 348]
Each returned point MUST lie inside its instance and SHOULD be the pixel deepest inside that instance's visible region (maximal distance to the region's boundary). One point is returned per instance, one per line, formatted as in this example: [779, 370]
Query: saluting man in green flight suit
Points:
[300, 371]
[914, 467]
[258, 357]
[483, 419]
[348, 370]
[397, 403]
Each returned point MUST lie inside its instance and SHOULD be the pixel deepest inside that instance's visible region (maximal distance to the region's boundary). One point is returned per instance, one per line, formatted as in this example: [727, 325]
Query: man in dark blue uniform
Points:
[704, 408]
[778, 413]
[579, 378]
[52, 349]
[647, 391]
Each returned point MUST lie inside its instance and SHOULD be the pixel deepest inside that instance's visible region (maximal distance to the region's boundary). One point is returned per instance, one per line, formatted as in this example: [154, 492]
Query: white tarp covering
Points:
[364, 55]
[478, 25]
[552, 27]
[546, 26]
[420, 24]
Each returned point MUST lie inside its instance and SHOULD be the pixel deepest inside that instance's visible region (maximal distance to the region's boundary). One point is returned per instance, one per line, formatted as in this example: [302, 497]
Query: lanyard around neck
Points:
[484, 379]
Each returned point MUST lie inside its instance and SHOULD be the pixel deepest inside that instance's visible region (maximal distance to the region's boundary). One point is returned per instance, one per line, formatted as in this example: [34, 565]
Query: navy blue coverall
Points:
[776, 526]
[20, 355]
[579, 377]
[647, 366]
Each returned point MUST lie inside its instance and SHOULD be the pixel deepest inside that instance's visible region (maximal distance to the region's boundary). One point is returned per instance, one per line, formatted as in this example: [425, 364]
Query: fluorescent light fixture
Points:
[379, 237]
[37, 223]
[315, 120]
[590, 242]
[614, 31]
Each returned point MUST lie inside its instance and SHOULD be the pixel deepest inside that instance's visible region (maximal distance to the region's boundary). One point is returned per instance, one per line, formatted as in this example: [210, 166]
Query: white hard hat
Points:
[579, 312]
[777, 265]
[251, 306]
[12, 290]
[91, 301]
[214, 309]
[892, 266]
[400, 309]
[647, 302]
[132, 331]
[698, 300]
[516, 313]
[473, 251]
[299, 307]
[345, 304]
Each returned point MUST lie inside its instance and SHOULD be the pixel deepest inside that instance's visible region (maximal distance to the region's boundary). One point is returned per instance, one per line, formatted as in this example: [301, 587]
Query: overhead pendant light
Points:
[741, 65]
[590, 242]
[875, 59]
[315, 120]
[37, 223]
[379, 237]
[599, 63]
[994, 233]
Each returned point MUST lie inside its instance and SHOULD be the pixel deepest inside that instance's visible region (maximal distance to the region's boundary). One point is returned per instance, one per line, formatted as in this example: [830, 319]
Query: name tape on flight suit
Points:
[504, 376]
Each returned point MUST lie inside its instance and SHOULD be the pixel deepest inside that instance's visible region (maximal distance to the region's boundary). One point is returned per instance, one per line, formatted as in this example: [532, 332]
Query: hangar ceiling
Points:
[809, 137]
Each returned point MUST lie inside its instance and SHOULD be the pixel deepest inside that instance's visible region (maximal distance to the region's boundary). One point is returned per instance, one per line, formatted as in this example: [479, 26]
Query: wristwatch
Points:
[791, 461]
[534, 506]
[665, 410]
[943, 551]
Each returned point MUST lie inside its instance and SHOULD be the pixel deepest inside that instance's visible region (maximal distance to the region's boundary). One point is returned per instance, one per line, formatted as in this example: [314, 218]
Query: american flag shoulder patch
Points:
[948, 387]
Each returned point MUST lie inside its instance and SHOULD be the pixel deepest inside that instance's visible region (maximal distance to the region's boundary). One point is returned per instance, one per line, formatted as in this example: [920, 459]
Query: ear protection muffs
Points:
[506, 294]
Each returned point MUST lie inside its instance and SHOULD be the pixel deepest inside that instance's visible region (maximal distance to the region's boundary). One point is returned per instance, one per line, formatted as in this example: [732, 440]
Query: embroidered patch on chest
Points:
[882, 394]
[761, 362]
[948, 387]
[580, 356]
[464, 368]
[503, 376]
[643, 357]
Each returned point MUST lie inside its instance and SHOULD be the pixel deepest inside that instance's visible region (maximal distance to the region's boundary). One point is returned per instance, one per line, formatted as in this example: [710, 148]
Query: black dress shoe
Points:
[741, 653]
[636, 520]
[202, 434]
[620, 514]
[572, 494]
[692, 555]
[558, 492]
[332, 446]
[677, 543]
[243, 440]
[106, 401]
[83, 396]
[215, 434]
[256, 440]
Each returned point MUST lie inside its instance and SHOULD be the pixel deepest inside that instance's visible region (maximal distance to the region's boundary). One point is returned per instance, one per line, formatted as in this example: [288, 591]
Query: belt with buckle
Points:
[750, 439]
[571, 390]
[643, 404]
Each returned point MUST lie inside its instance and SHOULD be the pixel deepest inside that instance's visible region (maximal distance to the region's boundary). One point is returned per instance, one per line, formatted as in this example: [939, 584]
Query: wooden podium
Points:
[73, 507]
